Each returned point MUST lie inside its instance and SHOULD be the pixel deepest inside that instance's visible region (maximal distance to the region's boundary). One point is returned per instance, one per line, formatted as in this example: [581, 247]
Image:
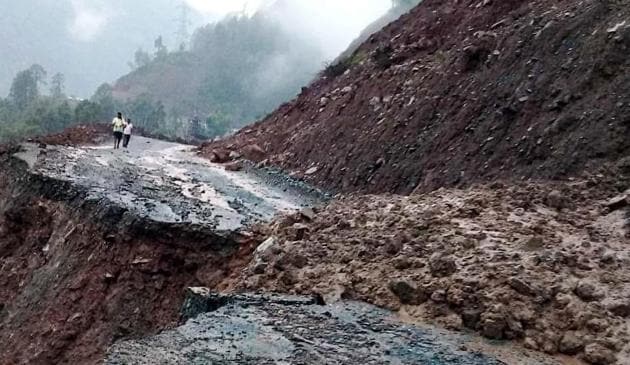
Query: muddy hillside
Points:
[98, 245]
[457, 92]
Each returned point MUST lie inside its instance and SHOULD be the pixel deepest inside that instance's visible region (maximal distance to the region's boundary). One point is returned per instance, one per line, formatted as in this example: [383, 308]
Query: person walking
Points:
[127, 133]
[118, 124]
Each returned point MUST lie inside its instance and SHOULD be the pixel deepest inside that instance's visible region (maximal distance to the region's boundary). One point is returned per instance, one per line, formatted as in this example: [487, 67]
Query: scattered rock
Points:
[311, 171]
[620, 308]
[254, 152]
[570, 344]
[597, 354]
[588, 291]
[408, 293]
[618, 202]
[522, 287]
[442, 265]
[233, 166]
[556, 200]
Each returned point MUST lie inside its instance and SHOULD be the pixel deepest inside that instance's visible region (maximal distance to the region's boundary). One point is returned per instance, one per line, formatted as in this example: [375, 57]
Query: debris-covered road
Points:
[167, 182]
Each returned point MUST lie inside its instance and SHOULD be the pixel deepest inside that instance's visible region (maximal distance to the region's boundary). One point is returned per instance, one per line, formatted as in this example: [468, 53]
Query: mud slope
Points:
[546, 265]
[461, 91]
[87, 255]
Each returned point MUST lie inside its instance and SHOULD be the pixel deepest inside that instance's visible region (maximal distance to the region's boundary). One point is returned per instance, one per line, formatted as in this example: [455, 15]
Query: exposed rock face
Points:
[271, 329]
[461, 92]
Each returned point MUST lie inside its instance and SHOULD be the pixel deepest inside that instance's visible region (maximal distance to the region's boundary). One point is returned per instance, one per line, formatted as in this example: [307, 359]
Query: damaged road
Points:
[274, 329]
[167, 183]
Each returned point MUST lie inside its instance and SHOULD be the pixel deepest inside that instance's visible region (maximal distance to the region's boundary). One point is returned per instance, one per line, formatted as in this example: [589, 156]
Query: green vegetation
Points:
[27, 112]
[235, 71]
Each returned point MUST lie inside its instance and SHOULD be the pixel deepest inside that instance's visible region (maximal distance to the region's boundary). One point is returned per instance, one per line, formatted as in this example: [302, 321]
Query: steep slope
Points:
[462, 91]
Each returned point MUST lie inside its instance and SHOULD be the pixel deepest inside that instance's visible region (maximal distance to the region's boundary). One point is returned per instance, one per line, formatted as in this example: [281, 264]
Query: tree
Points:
[103, 96]
[25, 86]
[160, 48]
[87, 112]
[57, 86]
[141, 58]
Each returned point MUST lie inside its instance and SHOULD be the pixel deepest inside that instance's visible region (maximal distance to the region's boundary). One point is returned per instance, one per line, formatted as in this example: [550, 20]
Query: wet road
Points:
[282, 330]
[167, 182]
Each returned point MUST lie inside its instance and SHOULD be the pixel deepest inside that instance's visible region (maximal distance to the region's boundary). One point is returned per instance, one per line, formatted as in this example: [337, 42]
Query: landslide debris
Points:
[85, 134]
[272, 329]
[80, 269]
[458, 92]
[545, 264]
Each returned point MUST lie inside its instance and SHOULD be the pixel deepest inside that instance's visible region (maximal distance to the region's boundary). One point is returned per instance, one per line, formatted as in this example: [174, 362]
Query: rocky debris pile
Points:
[87, 134]
[544, 264]
[272, 329]
[460, 92]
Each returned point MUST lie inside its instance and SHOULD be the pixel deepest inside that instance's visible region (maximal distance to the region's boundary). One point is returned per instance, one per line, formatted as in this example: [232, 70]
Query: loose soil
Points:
[458, 92]
[544, 264]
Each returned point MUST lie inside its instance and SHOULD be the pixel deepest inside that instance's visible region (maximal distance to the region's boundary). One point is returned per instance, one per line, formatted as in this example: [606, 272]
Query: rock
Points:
[308, 213]
[407, 293]
[233, 166]
[219, 156]
[471, 317]
[570, 344]
[298, 231]
[588, 291]
[311, 171]
[534, 243]
[439, 296]
[618, 202]
[597, 354]
[522, 287]
[620, 308]
[556, 200]
[254, 152]
[346, 89]
[616, 27]
[264, 250]
[442, 265]
[259, 268]
[234, 155]
[492, 327]
[323, 101]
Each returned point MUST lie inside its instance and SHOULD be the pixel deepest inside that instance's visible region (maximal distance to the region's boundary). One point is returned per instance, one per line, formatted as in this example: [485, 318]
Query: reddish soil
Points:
[77, 135]
[546, 264]
[461, 91]
[75, 275]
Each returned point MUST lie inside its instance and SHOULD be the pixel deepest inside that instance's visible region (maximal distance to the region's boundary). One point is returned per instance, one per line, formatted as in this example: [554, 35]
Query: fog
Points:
[92, 41]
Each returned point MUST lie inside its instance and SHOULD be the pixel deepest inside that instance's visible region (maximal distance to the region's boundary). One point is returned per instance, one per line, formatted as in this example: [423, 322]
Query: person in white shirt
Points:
[118, 125]
[127, 133]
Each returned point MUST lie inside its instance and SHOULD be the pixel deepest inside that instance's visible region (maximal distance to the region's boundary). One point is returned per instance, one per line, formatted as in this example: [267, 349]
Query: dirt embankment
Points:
[543, 264]
[77, 274]
[457, 92]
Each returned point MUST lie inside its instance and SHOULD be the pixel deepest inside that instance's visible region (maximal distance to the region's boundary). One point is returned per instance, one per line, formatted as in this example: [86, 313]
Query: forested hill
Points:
[235, 72]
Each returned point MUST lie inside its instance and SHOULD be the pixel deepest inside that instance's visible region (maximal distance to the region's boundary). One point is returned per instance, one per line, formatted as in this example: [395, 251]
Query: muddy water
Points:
[167, 182]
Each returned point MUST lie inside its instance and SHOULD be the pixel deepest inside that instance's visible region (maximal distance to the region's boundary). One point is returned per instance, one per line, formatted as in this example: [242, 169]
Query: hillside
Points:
[458, 92]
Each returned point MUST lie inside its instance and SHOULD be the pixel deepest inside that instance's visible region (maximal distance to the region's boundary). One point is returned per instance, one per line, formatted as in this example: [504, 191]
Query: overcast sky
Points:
[91, 41]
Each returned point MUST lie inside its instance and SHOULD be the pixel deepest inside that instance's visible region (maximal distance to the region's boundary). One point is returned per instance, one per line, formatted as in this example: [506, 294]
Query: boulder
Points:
[597, 354]
[588, 291]
[570, 344]
[442, 265]
[254, 152]
[407, 293]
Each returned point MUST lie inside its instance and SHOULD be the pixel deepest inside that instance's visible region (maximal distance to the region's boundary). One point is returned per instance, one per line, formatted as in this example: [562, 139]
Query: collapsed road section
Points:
[272, 329]
[98, 245]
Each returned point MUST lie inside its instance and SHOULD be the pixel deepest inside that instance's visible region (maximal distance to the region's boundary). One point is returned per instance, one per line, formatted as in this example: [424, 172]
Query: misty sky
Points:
[91, 41]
